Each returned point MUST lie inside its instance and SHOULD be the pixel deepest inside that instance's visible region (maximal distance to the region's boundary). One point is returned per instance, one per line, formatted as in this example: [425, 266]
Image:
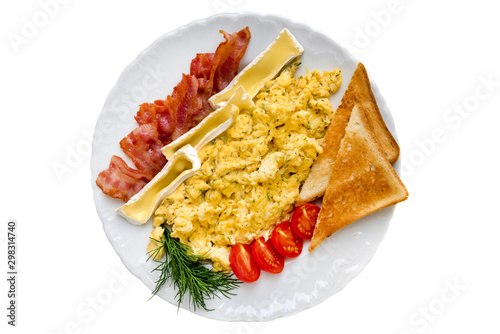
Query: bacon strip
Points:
[230, 52]
[143, 146]
[165, 120]
[186, 92]
[203, 67]
[147, 113]
[159, 114]
[120, 181]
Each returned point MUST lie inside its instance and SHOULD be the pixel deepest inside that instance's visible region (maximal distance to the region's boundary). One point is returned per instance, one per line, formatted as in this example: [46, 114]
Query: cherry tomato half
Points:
[243, 263]
[267, 258]
[304, 219]
[286, 241]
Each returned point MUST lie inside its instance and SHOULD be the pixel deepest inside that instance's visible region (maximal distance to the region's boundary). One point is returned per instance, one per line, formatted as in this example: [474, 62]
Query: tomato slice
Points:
[304, 219]
[286, 241]
[243, 263]
[267, 258]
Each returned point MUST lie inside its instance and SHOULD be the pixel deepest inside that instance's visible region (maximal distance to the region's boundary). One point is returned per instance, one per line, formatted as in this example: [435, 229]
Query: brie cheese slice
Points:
[263, 68]
[182, 164]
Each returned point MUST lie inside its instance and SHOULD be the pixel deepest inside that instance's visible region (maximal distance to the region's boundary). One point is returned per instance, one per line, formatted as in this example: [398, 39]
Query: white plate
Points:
[306, 280]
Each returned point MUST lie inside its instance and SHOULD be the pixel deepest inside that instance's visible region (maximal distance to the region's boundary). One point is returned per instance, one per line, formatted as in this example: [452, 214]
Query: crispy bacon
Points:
[203, 67]
[165, 120]
[159, 114]
[147, 112]
[120, 181]
[143, 146]
[203, 111]
[230, 52]
[189, 101]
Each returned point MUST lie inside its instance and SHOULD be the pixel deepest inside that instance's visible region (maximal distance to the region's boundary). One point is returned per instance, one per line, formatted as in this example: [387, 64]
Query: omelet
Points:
[250, 175]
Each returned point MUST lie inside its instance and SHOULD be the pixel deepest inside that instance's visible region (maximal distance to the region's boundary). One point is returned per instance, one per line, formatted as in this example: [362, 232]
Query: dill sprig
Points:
[188, 275]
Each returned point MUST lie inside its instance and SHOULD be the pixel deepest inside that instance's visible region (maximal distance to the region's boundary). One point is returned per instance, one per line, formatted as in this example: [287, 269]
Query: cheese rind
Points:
[183, 164]
[263, 68]
[212, 125]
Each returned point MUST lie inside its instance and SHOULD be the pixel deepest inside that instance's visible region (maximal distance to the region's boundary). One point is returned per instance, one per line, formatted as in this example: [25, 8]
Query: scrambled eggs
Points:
[251, 175]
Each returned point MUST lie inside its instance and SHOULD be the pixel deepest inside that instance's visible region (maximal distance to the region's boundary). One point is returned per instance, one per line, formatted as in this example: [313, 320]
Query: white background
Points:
[436, 63]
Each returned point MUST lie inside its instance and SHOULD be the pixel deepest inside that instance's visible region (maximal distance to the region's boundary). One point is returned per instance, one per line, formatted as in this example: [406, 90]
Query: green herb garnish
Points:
[188, 275]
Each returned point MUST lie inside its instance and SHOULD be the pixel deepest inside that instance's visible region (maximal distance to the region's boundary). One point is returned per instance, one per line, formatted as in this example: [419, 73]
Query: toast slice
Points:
[363, 180]
[358, 92]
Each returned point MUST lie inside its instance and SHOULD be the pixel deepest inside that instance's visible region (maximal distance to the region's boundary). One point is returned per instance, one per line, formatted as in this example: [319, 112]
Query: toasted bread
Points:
[358, 92]
[363, 180]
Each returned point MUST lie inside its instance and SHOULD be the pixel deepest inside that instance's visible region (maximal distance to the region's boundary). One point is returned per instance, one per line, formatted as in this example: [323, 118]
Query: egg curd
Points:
[251, 174]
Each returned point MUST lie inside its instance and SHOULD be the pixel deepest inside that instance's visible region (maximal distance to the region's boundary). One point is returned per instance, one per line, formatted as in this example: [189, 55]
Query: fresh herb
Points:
[188, 275]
